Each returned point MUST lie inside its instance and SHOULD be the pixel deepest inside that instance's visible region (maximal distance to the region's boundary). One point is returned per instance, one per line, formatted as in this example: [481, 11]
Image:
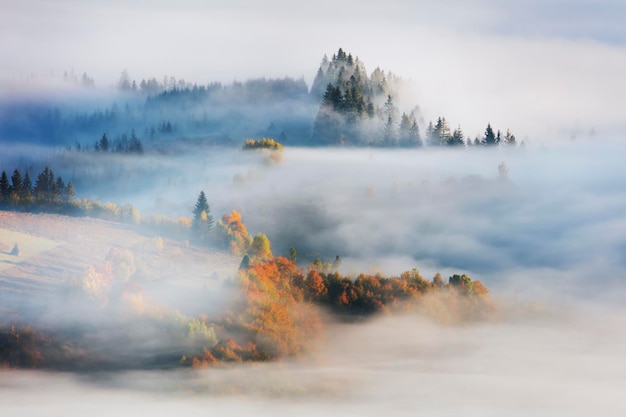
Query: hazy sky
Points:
[558, 64]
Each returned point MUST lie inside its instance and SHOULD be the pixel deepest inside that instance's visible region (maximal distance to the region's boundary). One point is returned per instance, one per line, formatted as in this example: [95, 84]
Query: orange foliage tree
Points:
[233, 233]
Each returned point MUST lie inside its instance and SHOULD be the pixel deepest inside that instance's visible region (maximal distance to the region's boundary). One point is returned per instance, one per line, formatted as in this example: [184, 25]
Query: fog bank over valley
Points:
[363, 208]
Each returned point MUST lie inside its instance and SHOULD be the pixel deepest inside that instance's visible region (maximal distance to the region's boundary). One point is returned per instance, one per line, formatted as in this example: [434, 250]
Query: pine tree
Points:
[5, 187]
[405, 130]
[490, 138]
[17, 183]
[45, 185]
[442, 132]
[27, 187]
[509, 138]
[69, 192]
[414, 134]
[104, 143]
[431, 136]
[457, 138]
[389, 138]
[59, 188]
[202, 220]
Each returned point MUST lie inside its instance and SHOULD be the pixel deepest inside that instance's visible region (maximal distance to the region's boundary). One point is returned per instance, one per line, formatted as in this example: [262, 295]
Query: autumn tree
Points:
[260, 247]
[233, 233]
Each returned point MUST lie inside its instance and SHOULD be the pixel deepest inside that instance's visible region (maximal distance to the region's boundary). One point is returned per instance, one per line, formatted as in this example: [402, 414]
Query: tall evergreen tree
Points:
[18, 184]
[390, 137]
[5, 187]
[202, 219]
[457, 138]
[414, 134]
[104, 143]
[490, 138]
[431, 137]
[69, 192]
[405, 129]
[28, 187]
[442, 132]
[59, 188]
[509, 139]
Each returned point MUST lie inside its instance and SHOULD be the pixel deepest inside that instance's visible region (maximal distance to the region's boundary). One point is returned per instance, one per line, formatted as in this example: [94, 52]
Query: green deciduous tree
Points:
[260, 247]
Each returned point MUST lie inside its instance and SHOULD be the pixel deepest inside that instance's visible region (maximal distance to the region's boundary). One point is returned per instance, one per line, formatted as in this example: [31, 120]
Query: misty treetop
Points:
[359, 109]
[345, 105]
[20, 192]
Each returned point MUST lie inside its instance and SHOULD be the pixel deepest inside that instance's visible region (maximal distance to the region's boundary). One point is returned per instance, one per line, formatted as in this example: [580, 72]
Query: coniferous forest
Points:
[345, 106]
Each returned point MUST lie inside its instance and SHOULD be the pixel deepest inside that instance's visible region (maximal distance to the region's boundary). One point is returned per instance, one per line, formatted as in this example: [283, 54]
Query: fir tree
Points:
[27, 187]
[59, 188]
[5, 187]
[509, 138]
[457, 138]
[490, 138]
[414, 134]
[104, 143]
[202, 220]
[17, 183]
[69, 192]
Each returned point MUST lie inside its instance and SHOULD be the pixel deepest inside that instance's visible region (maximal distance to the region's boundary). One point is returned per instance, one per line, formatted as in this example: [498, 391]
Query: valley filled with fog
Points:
[541, 227]
[358, 209]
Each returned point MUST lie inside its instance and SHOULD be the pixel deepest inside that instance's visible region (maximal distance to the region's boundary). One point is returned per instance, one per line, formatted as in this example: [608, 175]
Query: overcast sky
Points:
[542, 68]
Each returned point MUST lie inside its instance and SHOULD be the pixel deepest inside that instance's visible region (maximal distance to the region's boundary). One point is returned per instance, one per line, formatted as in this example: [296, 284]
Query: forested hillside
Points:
[345, 105]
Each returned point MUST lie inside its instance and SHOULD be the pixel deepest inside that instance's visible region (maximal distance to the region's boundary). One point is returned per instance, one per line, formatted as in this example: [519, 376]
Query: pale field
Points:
[57, 251]
[29, 246]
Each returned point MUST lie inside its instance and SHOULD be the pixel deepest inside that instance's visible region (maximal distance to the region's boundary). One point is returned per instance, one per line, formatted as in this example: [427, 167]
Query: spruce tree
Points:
[27, 189]
[490, 138]
[59, 188]
[202, 220]
[69, 192]
[18, 184]
[104, 143]
[5, 187]
[414, 134]
[457, 138]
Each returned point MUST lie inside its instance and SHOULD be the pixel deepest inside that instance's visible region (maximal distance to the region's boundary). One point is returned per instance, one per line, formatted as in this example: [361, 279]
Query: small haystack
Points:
[16, 250]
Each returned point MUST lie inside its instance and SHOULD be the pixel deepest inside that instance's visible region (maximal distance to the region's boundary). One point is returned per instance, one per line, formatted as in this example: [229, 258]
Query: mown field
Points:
[57, 251]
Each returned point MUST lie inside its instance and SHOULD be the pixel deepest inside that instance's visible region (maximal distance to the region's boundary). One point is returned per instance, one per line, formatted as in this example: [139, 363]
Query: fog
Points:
[542, 226]
[558, 214]
[547, 239]
[563, 364]
[531, 66]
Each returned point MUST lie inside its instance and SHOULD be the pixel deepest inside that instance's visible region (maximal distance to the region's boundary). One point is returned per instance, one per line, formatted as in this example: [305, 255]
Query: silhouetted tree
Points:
[104, 143]
[457, 138]
[69, 192]
[28, 187]
[490, 138]
[5, 187]
[509, 139]
[17, 183]
[202, 222]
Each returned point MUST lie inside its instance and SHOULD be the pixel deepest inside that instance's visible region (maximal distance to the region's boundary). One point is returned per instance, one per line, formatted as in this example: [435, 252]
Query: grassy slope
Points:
[57, 250]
